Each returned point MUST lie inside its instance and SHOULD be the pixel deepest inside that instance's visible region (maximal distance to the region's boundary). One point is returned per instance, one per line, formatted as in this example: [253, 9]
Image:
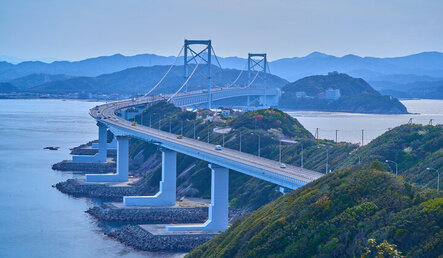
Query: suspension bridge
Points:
[220, 160]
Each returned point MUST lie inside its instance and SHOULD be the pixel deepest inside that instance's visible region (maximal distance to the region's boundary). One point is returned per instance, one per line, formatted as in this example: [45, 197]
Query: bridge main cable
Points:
[164, 76]
[255, 77]
[185, 83]
[238, 77]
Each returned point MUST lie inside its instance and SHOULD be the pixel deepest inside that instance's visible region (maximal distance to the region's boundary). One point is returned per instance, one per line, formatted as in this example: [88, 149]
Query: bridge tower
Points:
[258, 62]
[200, 54]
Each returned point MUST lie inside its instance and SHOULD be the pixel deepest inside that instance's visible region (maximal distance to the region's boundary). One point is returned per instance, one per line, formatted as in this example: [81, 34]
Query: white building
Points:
[300, 94]
[332, 94]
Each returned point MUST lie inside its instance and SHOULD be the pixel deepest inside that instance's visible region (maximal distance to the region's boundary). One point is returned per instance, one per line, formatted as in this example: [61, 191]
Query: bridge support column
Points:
[218, 210]
[122, 165]
[167, 194]
[102, 147]
[110, 145]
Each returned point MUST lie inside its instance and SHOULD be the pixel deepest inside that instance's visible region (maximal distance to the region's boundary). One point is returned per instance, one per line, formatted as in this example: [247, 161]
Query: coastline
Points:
[131, 225]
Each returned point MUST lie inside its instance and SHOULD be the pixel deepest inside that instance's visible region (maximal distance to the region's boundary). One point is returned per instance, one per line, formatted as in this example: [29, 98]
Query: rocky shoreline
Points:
[138, 238]
[186, 211]
[78, 188]
[151, 215]
[86, 149]
[98, 167]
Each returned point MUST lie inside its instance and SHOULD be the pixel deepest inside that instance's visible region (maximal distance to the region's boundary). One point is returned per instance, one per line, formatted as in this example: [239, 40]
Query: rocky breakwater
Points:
[154, 237]
[149, 215]
[88, 150]
[139, 238]
[99, 167]
[113, 191]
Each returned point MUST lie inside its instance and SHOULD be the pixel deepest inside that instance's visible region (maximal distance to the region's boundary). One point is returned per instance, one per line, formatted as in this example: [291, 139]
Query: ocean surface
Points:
[36, 220]
[350, 125]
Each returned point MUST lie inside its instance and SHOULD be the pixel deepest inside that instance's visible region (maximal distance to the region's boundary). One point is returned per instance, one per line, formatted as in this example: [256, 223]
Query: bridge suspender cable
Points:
[256, 75]
[164, 76]
[238, 77]
[216, 58]
[186, 82]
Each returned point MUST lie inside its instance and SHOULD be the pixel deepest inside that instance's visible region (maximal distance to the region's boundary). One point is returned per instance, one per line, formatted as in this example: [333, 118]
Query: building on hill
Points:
[332, 94]
[339, 93]
[300, 94]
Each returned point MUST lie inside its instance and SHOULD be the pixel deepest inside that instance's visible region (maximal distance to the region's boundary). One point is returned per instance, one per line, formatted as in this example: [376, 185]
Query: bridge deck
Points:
[266, 169]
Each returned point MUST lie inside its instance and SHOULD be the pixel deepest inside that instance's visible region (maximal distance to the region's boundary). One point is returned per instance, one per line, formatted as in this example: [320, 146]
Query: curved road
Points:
[266, 169]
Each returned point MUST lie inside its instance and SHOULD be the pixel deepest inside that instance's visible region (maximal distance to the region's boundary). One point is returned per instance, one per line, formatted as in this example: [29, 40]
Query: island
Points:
[338, 92]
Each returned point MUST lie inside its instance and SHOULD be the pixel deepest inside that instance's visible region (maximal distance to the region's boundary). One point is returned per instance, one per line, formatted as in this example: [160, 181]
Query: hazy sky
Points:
[77, 29]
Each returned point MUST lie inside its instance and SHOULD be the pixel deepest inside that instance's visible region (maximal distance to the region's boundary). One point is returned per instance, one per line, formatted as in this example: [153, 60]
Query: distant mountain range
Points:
[398, 75]
[8, 88]
[140, 80]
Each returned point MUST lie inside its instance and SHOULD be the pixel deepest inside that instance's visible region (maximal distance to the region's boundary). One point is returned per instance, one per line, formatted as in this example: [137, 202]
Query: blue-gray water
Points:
[350, 125]
[38, 221]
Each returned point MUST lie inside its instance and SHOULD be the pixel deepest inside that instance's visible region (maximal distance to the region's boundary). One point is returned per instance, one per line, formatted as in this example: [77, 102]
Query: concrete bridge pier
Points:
[102, 147]
[122, 164]
[167, 194]
[218, 210]
[109, 145]
[270, 100]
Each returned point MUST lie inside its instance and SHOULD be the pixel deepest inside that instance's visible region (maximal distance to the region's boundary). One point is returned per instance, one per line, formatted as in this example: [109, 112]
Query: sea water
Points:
[352, 127]
[36, 220]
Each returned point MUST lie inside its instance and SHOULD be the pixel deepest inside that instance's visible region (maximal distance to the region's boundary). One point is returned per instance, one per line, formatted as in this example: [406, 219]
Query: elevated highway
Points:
[221, 161]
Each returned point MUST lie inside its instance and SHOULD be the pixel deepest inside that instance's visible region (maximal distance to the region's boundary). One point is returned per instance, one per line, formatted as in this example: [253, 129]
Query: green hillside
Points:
[414, 147]
[245, 191]
[335, 216]
[356, 95]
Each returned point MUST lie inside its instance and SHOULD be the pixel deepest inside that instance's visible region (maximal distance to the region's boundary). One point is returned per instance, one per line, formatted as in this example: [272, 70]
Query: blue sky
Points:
[78, 29]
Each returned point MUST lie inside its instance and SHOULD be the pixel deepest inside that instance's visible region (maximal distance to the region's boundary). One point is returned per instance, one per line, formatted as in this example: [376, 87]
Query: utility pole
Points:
[240, 141]
[327, 160]
[181, 132]
[194, 129]
[223, 139]
[362, 136]
[438, 177]
[359, 159]
[258, 143]
[336, 132]
[302, 151]
[316, 135]
[208, 133]
[396, 166]
[279, 155]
